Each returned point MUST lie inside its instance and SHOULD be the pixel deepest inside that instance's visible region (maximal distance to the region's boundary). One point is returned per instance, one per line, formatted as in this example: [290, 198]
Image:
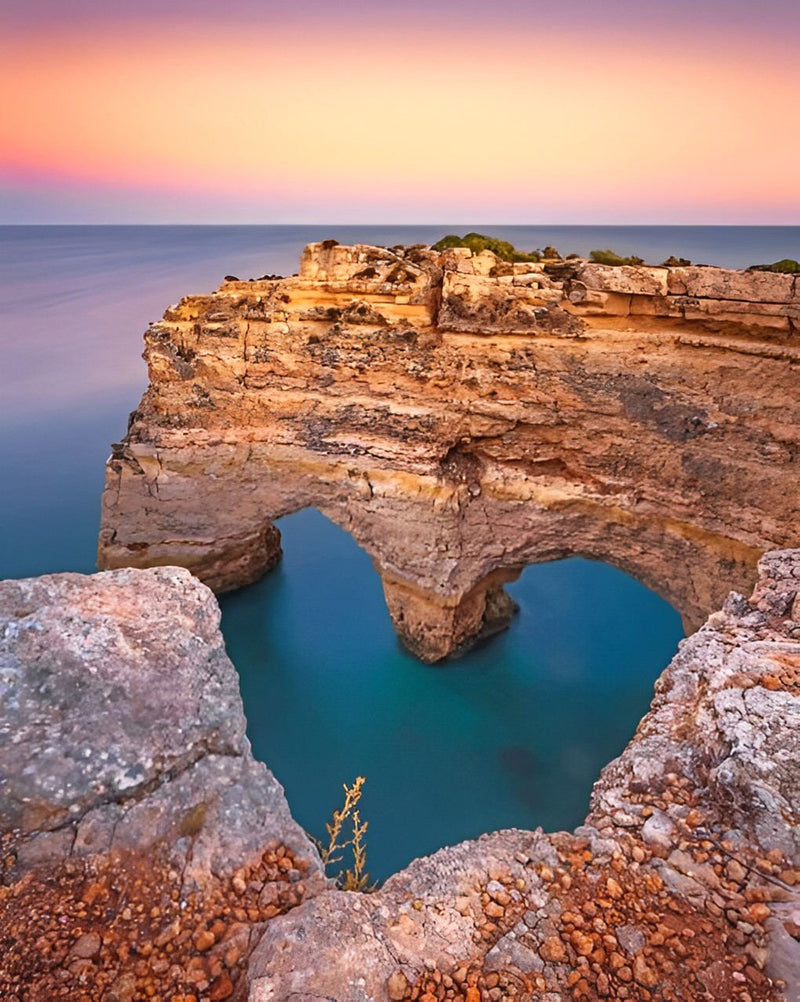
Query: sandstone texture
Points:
[682, 883]
[143, 847]
[463, 417]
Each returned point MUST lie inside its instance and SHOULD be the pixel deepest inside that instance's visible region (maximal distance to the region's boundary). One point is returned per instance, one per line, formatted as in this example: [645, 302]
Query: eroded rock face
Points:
[682, 883]
[462, 417]
[135, 826]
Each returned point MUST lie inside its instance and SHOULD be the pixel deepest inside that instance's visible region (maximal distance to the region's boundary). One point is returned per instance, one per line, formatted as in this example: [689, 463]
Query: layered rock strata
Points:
[682, 884]
[462, 417]
[143, 848]
[145, 854]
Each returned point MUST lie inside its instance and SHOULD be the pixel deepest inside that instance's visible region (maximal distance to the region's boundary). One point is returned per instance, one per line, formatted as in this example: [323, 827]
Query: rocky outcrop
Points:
[682, 884]
[146, 855]
[755, 300]
[461, 417]
[143, 848]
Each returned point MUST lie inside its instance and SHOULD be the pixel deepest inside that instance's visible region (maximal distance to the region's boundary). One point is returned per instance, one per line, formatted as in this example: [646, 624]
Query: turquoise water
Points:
[513, 734]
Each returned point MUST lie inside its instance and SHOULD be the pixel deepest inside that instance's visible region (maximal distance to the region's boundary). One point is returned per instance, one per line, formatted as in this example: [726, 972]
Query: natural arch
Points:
[458, 437]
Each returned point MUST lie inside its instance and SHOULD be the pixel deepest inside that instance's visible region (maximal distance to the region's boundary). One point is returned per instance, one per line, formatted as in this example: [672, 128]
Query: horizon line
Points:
[775, 226]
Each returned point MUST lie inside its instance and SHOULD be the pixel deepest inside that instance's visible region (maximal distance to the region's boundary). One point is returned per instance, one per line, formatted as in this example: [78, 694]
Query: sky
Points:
[504, 111]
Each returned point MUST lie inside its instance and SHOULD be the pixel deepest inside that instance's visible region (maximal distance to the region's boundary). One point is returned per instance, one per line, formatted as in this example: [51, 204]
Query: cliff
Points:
[146, 855]
[462, 417]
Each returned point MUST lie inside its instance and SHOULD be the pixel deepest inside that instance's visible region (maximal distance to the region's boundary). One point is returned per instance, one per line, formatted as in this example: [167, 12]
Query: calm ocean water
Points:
[512, 735]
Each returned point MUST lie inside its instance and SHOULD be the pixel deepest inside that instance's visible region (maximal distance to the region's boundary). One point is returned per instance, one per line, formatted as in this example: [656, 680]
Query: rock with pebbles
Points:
[142, 848]
[682, 884]
[122, 721]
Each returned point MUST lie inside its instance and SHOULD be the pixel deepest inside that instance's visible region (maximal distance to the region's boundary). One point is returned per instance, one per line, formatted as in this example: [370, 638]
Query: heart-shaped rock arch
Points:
[472, 418]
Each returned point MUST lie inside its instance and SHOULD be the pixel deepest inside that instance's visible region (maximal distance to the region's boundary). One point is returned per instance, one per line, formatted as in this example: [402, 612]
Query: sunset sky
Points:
[505, 111]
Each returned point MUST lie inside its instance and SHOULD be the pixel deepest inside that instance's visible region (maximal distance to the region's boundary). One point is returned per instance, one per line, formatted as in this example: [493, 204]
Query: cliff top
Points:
[330, 261]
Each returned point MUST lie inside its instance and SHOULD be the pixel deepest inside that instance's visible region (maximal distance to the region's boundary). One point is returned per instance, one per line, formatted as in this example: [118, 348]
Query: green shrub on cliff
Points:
[787, 266]
[608, 256]
[478, 242]
[451, 240]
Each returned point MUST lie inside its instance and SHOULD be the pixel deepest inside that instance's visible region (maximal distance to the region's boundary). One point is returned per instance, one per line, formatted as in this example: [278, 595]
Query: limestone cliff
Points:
[462, 417]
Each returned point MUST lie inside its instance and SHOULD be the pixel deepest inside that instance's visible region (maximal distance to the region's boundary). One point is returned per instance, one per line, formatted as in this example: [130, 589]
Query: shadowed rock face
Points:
[462, 417]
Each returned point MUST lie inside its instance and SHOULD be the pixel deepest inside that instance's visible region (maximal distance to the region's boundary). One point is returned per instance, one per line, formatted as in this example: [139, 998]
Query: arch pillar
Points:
[436, 627]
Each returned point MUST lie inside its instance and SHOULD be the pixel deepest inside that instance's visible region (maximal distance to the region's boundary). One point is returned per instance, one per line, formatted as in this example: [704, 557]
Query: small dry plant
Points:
[355, 879]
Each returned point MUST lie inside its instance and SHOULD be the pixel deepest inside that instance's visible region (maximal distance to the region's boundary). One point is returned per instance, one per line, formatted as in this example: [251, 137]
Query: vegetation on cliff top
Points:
[608, 256]
[478, 242]
[787, 266]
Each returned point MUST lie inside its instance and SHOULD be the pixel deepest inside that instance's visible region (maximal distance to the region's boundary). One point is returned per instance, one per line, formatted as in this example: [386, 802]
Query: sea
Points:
[515, 733]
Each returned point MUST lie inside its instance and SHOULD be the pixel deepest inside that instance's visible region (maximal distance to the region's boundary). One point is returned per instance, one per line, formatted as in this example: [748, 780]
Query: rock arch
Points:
[462, 417]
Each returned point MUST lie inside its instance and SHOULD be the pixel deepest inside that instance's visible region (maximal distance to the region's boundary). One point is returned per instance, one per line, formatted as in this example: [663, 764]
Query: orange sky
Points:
[230, 123]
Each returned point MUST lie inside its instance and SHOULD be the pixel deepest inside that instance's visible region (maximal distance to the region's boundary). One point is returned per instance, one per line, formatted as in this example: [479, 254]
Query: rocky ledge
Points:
[143, 848]
[461, 417]
[146, 855]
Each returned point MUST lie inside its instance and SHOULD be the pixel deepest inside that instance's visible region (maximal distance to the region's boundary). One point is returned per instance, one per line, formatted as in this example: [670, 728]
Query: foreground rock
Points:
[146, 855]
[143, 848]
[682, 884]
[462, 417]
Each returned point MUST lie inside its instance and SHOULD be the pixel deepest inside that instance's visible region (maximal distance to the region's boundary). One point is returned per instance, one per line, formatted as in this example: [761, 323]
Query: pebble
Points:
[398, 986]
[644, 974]
[87, 946]
[552, 950]
[759, 911]
[582, 943]
[204, 940]
[735, 871]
